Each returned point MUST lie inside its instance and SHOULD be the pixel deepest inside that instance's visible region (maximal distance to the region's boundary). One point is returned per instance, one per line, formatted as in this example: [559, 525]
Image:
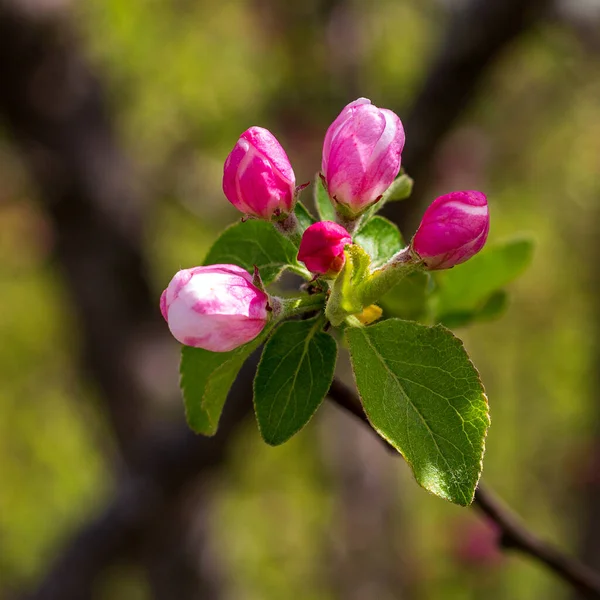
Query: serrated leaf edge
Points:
[251, 346]
[182, 378]
[461, 345]
[318, 322]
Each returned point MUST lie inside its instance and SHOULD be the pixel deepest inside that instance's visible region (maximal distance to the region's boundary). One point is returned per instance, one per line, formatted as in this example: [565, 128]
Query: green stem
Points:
[350, 224]
[382, 280]
[290, 228]
[289, 307]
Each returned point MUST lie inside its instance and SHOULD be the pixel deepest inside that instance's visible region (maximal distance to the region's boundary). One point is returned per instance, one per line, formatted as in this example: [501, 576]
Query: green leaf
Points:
[304, 217]
[255, 242]
[322, 200]
[205, 381]
[466, 288]
[493, 308]
[400, 189]
[381, 239]
[423, 395]
[294, 374]
[408, 299]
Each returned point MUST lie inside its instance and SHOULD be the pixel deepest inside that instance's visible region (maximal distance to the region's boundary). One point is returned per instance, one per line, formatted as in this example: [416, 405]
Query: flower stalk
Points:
[283, 308]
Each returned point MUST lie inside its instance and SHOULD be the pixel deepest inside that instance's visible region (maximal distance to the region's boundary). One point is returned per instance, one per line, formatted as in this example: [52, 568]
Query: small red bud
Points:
[322, 248]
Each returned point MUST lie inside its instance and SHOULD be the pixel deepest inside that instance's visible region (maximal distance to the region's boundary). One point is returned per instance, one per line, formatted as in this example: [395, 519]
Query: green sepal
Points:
[323, 203]
[305, 219]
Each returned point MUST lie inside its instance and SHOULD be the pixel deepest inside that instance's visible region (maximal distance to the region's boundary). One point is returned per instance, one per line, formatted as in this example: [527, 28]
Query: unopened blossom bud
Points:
[477, 544]
[258, 178]
[215, 307]
[453, 229]
[361, 155]
[322, 248]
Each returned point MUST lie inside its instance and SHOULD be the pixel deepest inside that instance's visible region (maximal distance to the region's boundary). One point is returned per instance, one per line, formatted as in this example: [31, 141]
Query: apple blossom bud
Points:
[453, 229]
[477, 544]
[258, 178]
[361, 155]
[215, 307]
[322, 248]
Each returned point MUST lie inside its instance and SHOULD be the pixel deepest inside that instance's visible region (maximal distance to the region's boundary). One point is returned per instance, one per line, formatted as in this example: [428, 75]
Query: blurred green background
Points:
[330, 514]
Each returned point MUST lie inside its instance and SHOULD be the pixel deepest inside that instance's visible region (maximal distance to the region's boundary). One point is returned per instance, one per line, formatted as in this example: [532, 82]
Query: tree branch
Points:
[54, 108]
[166, 465]
[514, 535]
[169, 463]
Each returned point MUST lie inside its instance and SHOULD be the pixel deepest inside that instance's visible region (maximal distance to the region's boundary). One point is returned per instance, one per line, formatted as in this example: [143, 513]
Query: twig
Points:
[513, 534]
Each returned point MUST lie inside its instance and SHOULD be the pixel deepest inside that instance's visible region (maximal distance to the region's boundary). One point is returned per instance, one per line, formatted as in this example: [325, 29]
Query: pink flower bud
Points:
[257, 177]
[361, 155]
[453, 229]
[216, 307]
[477, 544]
[322, 247]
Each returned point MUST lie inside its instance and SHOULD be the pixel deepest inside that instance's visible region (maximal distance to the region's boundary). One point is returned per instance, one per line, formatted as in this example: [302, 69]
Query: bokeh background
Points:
[115, 120]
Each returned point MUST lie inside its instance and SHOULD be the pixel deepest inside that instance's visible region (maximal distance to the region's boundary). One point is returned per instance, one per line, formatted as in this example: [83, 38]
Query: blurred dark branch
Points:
[167, 465]
[476, 37]
[514, 535]
[53, 107]
[587, 478]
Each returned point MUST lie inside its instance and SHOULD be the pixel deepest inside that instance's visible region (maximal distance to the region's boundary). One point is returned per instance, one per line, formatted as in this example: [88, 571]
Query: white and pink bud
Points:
[453, 229]
[258, 178]
[361, 155]
[322, 248]
[215, 307]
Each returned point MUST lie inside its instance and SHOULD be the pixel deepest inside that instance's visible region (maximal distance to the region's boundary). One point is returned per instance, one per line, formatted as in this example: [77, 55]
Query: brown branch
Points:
[514, 534]
[55, 110]
[166, 466]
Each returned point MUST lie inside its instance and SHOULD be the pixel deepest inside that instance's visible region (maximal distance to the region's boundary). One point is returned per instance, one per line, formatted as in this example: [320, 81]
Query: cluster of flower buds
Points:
[219, 308]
